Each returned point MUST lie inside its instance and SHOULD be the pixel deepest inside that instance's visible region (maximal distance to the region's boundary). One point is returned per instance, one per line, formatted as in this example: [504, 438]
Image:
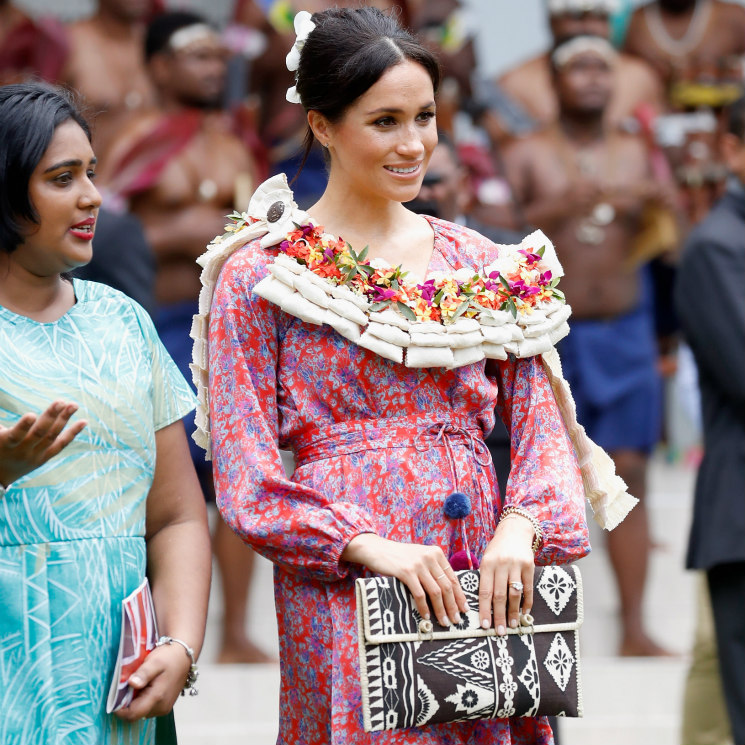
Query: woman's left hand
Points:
[158, 681]
[507, 563]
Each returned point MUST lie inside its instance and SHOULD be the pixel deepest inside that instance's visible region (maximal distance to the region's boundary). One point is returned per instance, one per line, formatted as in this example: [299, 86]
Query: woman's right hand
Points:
[34, 439]
[425, 570]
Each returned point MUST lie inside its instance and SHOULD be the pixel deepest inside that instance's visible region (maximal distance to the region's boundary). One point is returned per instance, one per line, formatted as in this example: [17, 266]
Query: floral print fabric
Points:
[378, 448]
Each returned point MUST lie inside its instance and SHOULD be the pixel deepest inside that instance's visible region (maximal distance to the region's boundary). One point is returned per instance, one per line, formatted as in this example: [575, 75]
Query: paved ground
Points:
[627, 701]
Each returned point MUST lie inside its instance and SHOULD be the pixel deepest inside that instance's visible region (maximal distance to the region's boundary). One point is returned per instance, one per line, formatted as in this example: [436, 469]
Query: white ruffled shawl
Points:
[416, 344]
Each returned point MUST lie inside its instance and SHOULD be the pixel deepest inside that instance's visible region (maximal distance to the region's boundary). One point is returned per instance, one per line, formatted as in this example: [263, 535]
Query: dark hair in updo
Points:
[347, 52]
[29, 115]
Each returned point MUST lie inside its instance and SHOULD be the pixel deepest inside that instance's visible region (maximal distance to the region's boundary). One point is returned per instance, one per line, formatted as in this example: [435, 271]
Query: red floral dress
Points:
[378, 447]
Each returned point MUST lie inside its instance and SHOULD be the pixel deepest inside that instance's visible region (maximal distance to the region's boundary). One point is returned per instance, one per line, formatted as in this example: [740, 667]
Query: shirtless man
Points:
[531, 84]
[585, 185]
[105, 64]
[181, 170]
[687, 39]
[697, 47]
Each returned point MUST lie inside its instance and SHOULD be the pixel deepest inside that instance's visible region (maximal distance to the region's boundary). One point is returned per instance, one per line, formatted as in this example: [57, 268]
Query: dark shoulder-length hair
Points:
[347, 52]
[29, 115]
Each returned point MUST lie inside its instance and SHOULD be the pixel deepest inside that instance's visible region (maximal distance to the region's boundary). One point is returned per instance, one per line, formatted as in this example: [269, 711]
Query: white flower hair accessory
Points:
[303, 27]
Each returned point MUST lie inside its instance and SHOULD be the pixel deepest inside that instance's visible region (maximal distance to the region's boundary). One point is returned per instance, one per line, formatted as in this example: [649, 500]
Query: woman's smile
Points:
[84, 229]
[405, 170]
[390, 128]
[66, 202]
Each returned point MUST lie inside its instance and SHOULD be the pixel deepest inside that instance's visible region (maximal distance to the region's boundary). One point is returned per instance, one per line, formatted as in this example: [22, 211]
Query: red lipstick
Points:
[84, 229]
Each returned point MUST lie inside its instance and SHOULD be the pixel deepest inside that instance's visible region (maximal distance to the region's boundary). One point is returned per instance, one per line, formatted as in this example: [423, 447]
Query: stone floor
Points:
[627, 701]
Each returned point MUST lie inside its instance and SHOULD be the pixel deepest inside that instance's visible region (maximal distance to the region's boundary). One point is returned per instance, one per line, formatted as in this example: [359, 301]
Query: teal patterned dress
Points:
[72, 531]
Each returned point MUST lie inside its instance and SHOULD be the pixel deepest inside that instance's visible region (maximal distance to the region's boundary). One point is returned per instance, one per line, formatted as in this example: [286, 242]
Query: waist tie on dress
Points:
[402, 432]
[444, 433]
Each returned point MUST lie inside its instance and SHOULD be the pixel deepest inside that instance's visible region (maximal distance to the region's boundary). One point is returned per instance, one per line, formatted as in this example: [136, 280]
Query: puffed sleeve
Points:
[294, 526]
[545, 478]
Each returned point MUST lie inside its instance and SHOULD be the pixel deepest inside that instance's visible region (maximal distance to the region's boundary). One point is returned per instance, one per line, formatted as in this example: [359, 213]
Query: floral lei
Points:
[518, 288]
[506, 301]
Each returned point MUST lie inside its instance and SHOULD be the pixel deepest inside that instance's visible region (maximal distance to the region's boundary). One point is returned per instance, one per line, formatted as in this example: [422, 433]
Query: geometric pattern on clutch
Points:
[530, 678]
[415, 673]
[559, 661]
[556, 587]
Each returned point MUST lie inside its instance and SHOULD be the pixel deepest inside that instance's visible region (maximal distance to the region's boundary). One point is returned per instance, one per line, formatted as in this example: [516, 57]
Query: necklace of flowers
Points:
[520, 287]
[273, 218]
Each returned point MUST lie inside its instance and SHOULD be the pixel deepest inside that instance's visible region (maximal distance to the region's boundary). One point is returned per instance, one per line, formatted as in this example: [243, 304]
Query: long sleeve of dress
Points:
[544, 477]
[295, 526]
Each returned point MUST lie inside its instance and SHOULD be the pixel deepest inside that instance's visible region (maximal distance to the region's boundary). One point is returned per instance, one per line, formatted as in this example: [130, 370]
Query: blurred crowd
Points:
[610, 142]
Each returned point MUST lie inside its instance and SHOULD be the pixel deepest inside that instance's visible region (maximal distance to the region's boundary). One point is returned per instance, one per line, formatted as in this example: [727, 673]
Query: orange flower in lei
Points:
[526, 282]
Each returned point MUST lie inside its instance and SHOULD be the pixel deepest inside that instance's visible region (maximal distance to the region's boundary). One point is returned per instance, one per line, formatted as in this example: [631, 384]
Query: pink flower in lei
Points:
[381, 294]
[524, 291]
[427, 291]
[442, 299]
[531, 258]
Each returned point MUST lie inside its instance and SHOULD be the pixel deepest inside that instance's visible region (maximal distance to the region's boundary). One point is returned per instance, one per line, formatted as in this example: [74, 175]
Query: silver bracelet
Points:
[193, 674]
[524, 513]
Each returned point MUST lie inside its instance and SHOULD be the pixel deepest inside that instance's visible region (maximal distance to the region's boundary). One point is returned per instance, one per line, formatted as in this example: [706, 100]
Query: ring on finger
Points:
[517, 586]
[438, 578]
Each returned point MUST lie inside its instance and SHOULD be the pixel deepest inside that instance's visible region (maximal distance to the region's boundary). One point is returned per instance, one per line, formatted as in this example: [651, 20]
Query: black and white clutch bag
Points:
[415, 672]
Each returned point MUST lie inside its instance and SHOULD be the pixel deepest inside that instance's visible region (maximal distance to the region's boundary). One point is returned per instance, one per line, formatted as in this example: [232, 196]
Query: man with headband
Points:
[530, 84]
[586, 184]
[180, 169]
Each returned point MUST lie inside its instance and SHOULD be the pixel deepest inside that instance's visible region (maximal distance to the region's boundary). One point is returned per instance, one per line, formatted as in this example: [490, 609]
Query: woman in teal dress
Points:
[96, 484]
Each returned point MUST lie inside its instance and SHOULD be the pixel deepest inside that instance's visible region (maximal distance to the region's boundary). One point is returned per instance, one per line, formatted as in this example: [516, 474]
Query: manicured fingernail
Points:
[135, 680]
[444, 621]
[500, 630]
[457, 619]
[513, 623]
[484, 623]
[426, 616]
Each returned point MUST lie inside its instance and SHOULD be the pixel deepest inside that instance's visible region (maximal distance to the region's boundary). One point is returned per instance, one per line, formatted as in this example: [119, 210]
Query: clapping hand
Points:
[34, 439]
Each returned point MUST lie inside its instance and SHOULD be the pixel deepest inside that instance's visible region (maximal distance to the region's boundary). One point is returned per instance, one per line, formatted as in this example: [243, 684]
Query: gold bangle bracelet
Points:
[507, 511]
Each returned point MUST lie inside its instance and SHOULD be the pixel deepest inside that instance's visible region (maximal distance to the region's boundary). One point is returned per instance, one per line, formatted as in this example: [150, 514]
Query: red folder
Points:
[138, 638]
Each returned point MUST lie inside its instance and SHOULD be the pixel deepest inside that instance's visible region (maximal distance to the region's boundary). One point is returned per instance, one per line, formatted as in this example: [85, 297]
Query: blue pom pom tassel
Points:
[457, 505]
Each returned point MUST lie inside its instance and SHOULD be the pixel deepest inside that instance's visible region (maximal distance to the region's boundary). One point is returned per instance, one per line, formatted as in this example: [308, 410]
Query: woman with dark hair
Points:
[329, 341]
[96, 485]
